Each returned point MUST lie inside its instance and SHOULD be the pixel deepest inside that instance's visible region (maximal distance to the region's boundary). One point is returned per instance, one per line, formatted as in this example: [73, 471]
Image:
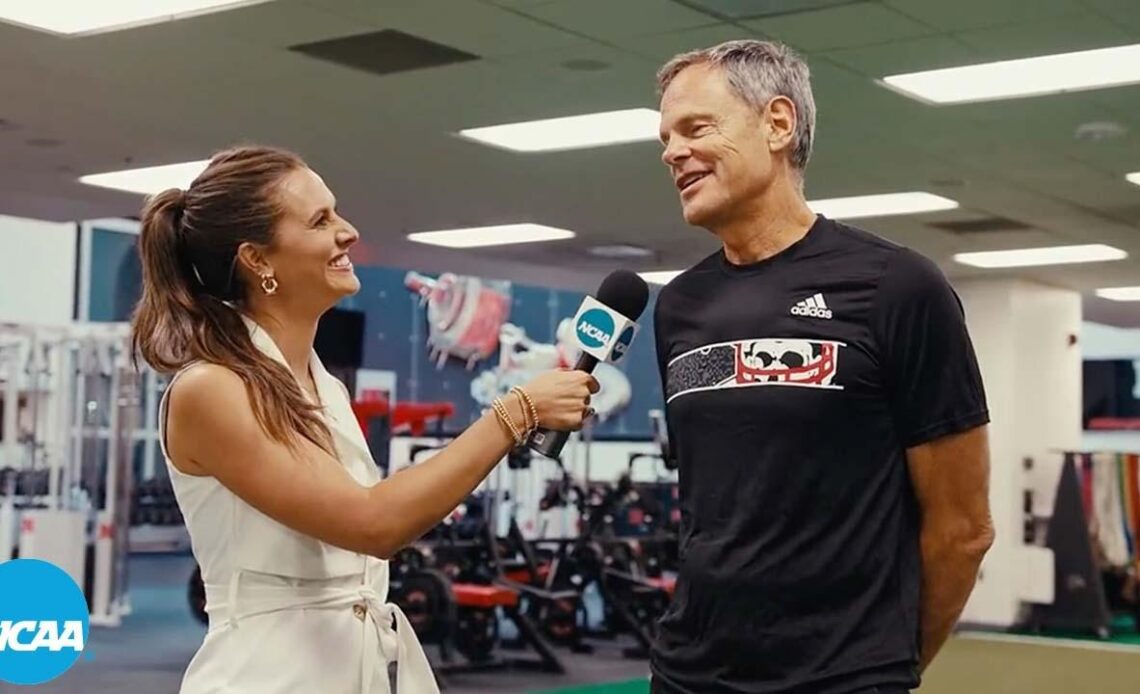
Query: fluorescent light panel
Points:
[660, 276]
[571, 132]
[1119, 293]
[1028, 257]
[1133, 178]
[1007, 79]
[500, 235]
[881, 205]
[149, 180]
[70, 17]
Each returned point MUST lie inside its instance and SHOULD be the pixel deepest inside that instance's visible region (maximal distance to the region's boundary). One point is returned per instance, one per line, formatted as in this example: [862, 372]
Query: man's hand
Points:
[951, 480]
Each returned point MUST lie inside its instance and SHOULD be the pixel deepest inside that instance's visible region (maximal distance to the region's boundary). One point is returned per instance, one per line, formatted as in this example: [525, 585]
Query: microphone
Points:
[604, 327]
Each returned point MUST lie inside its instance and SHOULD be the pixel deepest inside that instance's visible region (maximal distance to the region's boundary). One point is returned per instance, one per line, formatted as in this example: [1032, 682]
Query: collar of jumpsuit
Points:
[363, 599]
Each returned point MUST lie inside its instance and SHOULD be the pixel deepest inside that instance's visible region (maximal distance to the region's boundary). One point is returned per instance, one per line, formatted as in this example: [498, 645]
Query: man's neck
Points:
[777, 220]
[292, 335]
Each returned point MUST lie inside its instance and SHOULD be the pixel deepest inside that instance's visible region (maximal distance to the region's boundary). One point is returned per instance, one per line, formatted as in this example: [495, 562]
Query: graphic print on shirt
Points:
[755, 362]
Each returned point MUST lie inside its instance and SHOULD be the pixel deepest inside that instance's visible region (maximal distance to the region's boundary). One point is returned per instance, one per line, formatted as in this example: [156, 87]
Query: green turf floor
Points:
[1124, 630]
[1004, 664]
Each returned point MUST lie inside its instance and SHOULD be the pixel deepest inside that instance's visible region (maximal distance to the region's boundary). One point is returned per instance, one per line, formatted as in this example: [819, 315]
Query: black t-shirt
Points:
[794, 387]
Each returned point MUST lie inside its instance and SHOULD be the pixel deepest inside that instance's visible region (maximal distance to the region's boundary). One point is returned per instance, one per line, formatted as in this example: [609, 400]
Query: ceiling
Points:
[178, 91]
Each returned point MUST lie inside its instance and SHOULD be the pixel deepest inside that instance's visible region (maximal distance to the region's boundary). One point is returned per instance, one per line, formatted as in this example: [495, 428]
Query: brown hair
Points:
[192, 288]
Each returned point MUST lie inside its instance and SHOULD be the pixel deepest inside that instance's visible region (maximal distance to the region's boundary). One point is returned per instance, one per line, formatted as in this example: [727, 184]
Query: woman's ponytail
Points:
[165, 317]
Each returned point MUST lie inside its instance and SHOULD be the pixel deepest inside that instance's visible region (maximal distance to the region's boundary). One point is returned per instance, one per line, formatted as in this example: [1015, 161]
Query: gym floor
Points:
[148, 654]
[150, 651]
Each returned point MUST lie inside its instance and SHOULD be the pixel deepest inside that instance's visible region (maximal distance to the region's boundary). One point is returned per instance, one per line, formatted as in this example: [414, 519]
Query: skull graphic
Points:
[807, 362]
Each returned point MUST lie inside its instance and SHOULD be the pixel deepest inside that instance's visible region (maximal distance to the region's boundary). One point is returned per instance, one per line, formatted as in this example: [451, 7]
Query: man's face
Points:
[716, 147]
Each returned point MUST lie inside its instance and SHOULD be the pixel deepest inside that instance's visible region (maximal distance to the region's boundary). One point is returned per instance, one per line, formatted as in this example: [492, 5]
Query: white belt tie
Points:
[398, 642]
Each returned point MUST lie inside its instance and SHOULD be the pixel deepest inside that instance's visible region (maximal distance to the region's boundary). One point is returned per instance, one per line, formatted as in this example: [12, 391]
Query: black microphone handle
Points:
[549, 443]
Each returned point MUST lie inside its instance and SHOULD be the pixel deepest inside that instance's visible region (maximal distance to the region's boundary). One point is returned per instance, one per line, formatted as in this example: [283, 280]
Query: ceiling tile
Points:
[847, 26]
[904, 56]
[662, 47]
[517, 3]
[1125, 13]
[609, 20]
[745, 9]
[1075, 33]
[478, 28]
[277, 24]
[975, 14]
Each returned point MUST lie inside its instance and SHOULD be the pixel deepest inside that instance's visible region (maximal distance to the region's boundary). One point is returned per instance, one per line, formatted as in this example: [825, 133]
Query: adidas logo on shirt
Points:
[814, 307]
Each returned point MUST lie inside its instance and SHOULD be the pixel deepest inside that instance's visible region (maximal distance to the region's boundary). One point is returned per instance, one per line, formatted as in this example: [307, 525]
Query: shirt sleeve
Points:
[931, 372]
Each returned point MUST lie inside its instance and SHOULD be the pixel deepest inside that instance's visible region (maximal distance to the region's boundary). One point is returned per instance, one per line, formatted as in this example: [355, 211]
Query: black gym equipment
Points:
[470, 590]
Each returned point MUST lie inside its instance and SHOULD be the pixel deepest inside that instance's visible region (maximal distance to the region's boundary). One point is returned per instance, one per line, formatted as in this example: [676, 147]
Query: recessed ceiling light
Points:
[149, 180]
[620, 251]
[1119, 293]
[500, 235]
[660, 276]
[1007, 79]
[1055, 255]
[69, 17]
[571, 132]
[1133, 178]
[882, 205]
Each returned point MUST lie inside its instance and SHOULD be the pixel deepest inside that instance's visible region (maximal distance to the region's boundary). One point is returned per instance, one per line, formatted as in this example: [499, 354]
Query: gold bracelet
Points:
[525, 397]
[505, 420]
[526, 425]
[505, 417]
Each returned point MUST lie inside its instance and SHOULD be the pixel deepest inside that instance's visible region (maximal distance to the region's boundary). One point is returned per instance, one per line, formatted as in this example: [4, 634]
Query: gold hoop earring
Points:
[269, 284]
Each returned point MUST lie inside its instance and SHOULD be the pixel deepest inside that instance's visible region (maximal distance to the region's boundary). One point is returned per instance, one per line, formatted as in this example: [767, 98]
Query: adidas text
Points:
[813, 311]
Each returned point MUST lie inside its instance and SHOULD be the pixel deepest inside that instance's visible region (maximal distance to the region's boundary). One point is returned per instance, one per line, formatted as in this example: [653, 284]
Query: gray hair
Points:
[758, 71]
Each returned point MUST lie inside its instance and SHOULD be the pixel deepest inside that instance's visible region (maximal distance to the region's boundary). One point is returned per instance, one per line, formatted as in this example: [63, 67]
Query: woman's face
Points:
[309, 255]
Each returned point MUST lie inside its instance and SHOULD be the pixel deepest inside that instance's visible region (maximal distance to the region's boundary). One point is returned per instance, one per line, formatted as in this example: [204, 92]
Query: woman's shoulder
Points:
[206, 384]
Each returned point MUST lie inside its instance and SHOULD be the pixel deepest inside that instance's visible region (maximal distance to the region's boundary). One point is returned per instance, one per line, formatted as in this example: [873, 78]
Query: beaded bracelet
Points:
[528, 404]
[505, 418]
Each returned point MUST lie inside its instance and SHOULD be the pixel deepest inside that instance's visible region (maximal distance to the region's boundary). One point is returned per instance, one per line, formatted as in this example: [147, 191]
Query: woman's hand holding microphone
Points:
[558, 400]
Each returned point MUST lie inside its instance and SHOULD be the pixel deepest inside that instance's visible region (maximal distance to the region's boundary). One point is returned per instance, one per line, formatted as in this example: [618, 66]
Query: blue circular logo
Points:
[43, 622]
[623, 343]
[595, 328]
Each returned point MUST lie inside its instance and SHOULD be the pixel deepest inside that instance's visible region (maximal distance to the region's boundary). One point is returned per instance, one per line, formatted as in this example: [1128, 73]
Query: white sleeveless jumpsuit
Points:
[289, 613]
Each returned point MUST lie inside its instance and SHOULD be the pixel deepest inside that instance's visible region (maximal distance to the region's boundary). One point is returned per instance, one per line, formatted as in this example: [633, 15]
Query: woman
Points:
[287, 515]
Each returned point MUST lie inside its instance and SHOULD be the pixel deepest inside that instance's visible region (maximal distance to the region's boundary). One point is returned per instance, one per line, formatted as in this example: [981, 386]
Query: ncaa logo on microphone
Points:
[43, 622]
[595, 328]
[623, 342]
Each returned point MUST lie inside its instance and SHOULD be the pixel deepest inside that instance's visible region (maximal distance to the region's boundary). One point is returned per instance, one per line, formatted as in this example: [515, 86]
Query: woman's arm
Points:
[211, 430]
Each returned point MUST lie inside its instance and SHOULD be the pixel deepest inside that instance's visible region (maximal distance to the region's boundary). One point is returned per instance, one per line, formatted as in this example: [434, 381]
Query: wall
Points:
[396, 337]
[1032, 373]
[37, 271]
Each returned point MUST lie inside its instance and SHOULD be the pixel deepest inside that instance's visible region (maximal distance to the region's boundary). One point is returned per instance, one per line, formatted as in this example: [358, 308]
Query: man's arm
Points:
[950, 476]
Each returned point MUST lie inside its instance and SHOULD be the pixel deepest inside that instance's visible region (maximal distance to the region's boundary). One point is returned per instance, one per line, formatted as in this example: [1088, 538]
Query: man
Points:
[825, 408]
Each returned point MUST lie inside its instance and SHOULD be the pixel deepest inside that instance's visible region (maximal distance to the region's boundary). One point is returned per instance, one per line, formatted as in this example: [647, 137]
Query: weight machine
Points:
[71, 405]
